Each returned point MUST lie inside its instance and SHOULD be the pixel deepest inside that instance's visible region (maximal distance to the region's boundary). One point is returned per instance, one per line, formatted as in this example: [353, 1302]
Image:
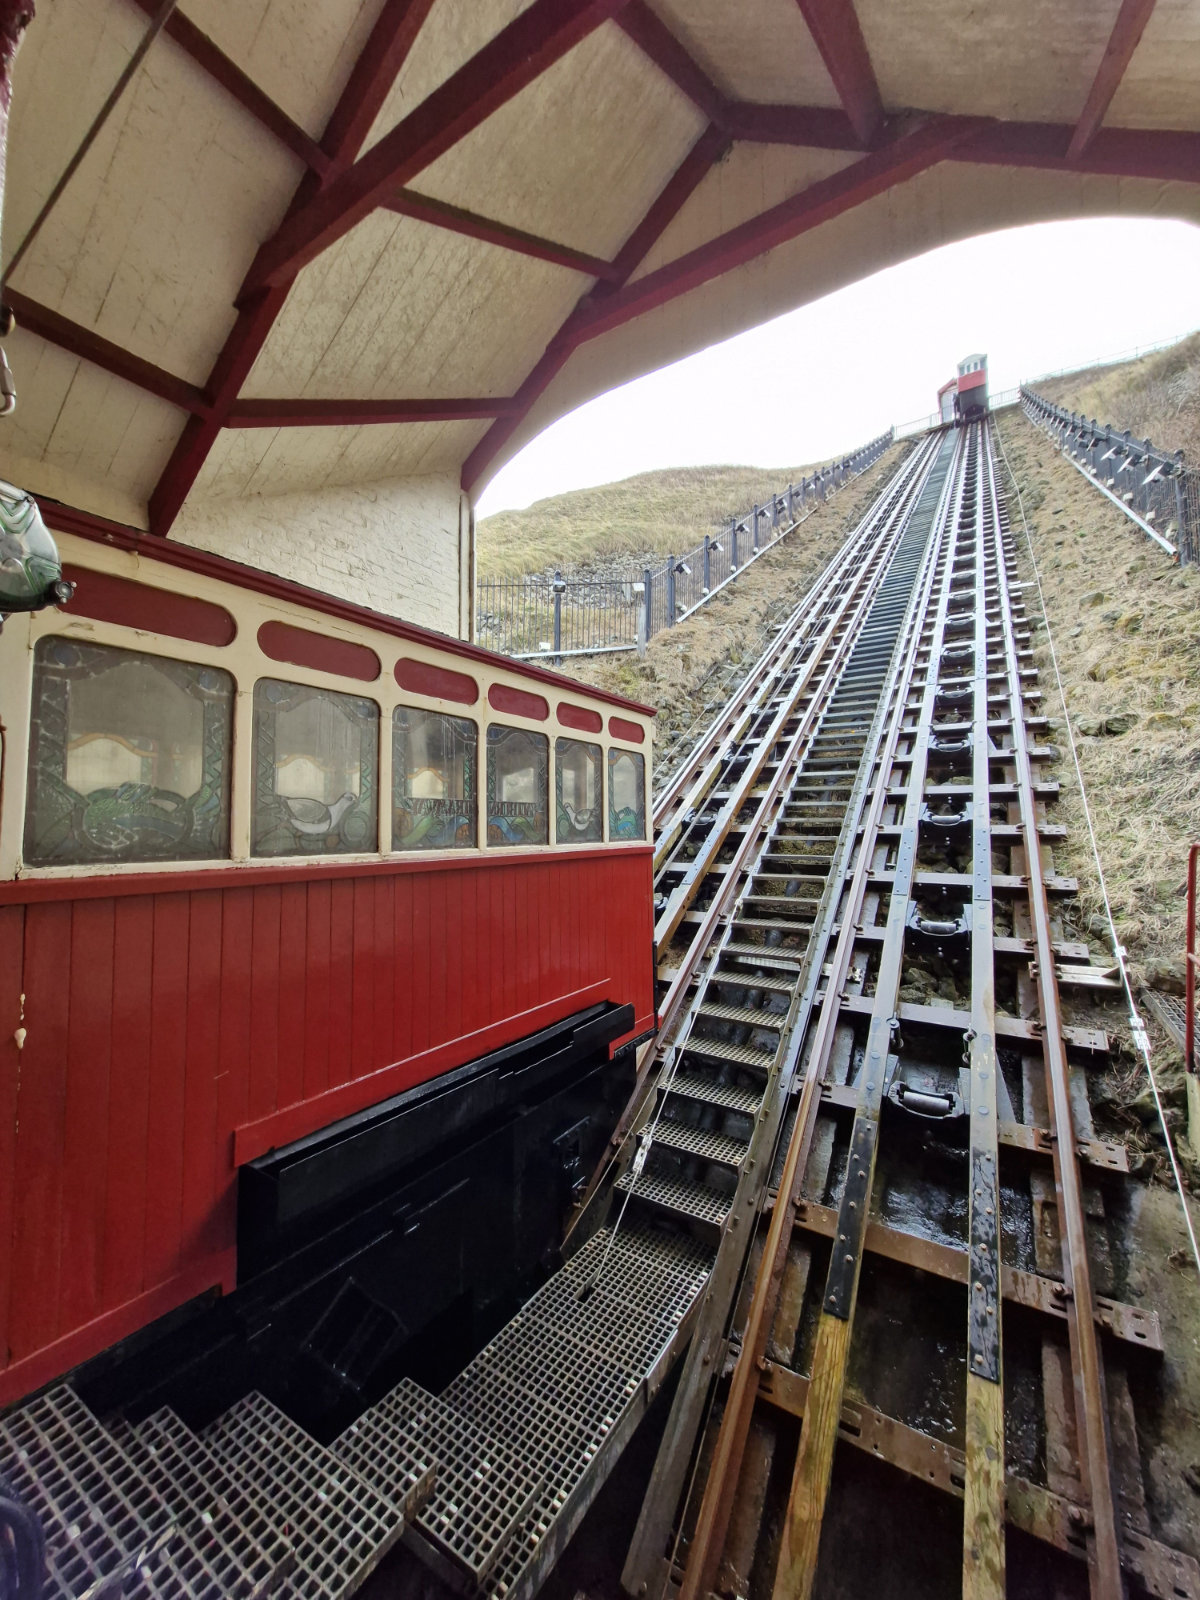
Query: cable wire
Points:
[1137, 1027]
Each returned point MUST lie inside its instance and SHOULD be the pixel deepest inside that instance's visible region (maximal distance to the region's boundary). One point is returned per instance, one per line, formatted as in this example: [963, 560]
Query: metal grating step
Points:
[483, 1485]
[693, 1086]
[340, 1526]
[745, 1055]
[97, 1510]
[764, 956]
[752, 1016]
[679, 1196]
[749, 980]
[701, 1142]
[243, 1552]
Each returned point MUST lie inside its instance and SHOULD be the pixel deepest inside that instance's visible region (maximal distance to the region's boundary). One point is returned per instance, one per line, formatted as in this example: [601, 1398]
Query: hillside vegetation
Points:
[1156, 397]
[653, 514]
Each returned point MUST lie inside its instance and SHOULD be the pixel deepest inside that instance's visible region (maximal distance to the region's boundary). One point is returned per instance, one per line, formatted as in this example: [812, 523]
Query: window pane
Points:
[518, 770]
[316, 771]
[577, 791]
[128, 757]
[434, 782]
[626, 795]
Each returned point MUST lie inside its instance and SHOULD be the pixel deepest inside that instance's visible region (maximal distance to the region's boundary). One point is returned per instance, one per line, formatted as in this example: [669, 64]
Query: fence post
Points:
[643, 612]
[1182, 534]
[754, 542]
[775, 512]
[733, 533]
[560, 588]
[648, 580]
[670, 591]
[791, 503]
[707, 564]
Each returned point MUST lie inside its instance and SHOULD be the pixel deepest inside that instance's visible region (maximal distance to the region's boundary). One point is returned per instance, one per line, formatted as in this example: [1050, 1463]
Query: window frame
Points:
[246, 663]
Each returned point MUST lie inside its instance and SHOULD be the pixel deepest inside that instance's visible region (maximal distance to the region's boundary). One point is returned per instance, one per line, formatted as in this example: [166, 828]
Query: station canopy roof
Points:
[326, 242]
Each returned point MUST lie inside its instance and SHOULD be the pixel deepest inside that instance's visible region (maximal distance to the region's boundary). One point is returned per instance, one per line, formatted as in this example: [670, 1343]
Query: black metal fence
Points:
[545, 615]
[1159, 490]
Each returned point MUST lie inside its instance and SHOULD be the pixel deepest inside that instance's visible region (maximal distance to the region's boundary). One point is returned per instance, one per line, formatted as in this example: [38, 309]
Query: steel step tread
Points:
[752, 1016]
[680, 1196]
[744, 980]
[691, 1086]
[765, 955]
[745, 1055]
[248, 1553]
[722, 1148]
[95, 1506]
[340, 1525]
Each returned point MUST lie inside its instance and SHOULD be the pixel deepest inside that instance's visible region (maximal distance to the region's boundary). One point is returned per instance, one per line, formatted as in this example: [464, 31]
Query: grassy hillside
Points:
[655, 513]
[1156, 397]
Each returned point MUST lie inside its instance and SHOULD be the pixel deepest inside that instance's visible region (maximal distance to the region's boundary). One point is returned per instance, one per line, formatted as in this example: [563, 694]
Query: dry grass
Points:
[654, 514]
[1156, 397]
[689, 671]
[1125, 627]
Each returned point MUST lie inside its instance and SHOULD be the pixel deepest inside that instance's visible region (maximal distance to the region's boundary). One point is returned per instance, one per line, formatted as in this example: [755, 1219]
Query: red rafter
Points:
[1122, 42]
[1157, 153]
[655, 40]
[519, 54]
[367, 89]
[351, 413]
[837, 35]
[90, 346]
[457, 220]
[709, 148]
[211, 59]
[819, 202]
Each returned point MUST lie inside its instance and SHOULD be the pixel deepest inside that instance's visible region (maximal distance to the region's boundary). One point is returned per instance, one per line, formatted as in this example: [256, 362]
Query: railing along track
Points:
[919, 782]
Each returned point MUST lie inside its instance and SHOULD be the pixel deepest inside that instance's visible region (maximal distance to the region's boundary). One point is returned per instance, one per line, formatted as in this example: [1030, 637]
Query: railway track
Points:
[856, 1202]
[860, 966]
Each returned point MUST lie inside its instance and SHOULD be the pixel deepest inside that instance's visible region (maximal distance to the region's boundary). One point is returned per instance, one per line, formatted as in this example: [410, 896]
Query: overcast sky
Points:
[1102, 287]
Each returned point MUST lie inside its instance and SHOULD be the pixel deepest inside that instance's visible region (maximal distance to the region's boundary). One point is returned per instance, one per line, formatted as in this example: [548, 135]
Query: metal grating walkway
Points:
[487, 1479]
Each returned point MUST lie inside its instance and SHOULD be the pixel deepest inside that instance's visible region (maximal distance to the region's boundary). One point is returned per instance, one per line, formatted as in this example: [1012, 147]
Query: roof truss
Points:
[337, 190]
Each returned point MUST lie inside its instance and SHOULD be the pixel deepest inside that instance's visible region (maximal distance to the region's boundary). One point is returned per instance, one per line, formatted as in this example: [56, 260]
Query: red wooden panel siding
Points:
[620, 728]
[439, 683]
[572, 716]
[303, 648]
[12, 938]
[108, 598]
[172, 1033]
[518, 702]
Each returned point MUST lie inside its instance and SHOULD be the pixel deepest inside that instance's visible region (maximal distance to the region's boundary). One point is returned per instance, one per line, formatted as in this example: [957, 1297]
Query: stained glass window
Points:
[434, 780]
[128, 757]
[626, 795]
[579, 815]
[316, 771]
[518, 770]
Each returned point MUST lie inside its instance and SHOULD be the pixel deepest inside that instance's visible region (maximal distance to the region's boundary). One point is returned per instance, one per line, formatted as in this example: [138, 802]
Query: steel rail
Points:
[850, 598]
[984, 1499]
[692, 781]
[720, 1486]
[900, 495]
[1091, 1401]
[804, 1517]
[703, 1359]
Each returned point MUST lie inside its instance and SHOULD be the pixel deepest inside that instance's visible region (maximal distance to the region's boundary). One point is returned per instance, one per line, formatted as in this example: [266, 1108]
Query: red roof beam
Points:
[368, 87]
[1163, 155]
[820, 202]
[457, 220]
[100, 352]
[354, 413]
[1122, 42]
[837, 35]
[239, 85]
[683, 182]
[656, 41]
[510, 62]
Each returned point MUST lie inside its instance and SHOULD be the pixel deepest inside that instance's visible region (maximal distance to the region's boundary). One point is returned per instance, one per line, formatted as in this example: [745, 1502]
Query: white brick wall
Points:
[400, 546]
